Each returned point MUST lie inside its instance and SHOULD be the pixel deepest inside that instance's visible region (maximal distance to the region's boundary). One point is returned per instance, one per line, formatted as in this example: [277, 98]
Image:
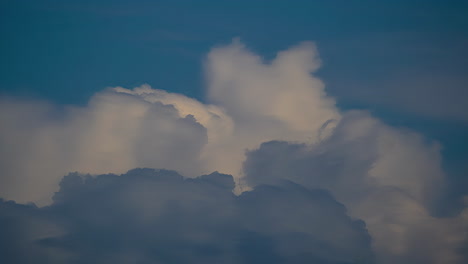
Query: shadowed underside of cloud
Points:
[157, 216]
[388, 178]
[278, 111]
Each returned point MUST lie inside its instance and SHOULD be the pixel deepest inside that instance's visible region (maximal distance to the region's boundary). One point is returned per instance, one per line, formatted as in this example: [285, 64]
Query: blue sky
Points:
[406, 62]
[67, 50]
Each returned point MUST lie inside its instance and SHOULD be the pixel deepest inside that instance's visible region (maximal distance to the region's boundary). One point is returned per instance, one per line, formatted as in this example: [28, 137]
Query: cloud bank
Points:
[304, 159]
[387, 177]
[157, 216]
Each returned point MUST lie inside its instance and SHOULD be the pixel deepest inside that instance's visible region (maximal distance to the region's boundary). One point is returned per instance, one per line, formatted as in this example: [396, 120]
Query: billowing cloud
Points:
[120, 129]
[267, 100]
[157, 216]
[387, 177]
[114, 132]
[275, 110]
[280, 92]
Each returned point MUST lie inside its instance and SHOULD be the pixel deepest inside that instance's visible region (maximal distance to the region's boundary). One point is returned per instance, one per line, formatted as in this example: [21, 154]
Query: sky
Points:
[233, 131]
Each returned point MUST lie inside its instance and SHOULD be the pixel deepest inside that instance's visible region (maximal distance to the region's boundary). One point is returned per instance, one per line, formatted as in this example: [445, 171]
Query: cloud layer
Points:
[157, 216]
[304, 158]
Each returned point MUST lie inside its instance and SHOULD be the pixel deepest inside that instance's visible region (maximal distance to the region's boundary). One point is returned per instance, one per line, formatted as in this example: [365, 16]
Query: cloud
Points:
[279, 99]
[120, 129]
[388, 177]
[157, 216]
[280, 93]
[304, 157]
[113, 133]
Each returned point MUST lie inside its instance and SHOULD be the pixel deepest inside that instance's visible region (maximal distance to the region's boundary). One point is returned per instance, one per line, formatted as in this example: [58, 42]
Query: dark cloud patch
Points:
[339, 163]
[361, 154]
[157, 216]
[389, 178]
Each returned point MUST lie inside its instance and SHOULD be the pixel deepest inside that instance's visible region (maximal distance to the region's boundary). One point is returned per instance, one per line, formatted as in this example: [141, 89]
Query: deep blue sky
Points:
[404, 60]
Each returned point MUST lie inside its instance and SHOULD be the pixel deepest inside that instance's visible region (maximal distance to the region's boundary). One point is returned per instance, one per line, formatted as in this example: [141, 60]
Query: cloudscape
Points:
[265, 166]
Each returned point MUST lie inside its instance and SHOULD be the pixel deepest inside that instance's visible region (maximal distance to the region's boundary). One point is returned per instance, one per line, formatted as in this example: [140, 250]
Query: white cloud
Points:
[267, 101]
[280, 93]
[386, 176]
[113, 133]
[121, 129]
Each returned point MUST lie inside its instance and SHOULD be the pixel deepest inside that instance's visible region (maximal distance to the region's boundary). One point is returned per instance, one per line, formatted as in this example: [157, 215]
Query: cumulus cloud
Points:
[114, 132]
[282, 91]
[120, 129]
[157, 216]
[267, 100]
[385, 176]
[278, 111]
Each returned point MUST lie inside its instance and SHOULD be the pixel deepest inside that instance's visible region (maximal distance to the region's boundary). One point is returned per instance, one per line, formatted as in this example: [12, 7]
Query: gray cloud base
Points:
[157, 216]
[370, 172]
